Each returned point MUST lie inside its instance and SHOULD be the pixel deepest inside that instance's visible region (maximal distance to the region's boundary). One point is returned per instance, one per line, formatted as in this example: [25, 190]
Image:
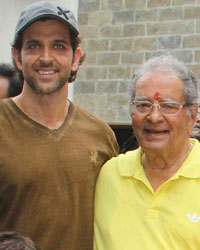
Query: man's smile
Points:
[150, 131]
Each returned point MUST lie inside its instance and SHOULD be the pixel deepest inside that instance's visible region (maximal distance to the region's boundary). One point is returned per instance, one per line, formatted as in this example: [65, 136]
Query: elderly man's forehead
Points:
[157, 77]
[162, 72]
[159, 85]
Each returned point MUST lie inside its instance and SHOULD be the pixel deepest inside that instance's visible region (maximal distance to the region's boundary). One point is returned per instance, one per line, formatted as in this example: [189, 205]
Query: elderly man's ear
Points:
[193, 117]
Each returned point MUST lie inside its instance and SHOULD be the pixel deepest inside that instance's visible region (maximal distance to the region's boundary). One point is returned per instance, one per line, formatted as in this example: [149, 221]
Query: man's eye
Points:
[58, 46]
[33, 46]
[169, 105]
[143, 105]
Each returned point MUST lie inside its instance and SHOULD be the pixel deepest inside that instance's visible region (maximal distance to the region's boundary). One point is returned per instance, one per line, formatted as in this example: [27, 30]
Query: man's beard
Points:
[39, 89]
[59, 83]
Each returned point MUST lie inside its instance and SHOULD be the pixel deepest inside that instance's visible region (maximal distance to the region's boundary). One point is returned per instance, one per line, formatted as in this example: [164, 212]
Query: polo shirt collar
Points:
[131, 165]
[191, 166]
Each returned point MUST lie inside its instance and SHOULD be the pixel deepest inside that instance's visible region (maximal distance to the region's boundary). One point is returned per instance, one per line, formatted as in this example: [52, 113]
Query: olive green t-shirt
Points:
[47, 177]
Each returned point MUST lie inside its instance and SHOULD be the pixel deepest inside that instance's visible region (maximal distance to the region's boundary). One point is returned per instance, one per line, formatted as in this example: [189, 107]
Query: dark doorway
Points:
[125, 137]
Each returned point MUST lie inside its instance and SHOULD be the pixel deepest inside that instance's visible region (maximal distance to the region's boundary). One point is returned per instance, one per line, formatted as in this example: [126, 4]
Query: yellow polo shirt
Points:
[129, 215]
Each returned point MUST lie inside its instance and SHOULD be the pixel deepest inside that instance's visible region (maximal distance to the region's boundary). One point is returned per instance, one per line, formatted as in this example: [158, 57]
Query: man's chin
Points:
[154, 146]
[45, 89]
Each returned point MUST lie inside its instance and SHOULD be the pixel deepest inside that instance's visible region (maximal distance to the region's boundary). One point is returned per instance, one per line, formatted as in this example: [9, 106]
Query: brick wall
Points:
[118, 36]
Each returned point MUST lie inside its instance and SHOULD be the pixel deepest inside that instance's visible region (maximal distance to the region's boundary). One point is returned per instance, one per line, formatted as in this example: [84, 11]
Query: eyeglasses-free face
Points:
[165, 108]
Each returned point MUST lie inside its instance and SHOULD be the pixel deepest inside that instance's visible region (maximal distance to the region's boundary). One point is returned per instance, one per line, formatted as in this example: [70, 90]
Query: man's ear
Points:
[193, 116]
[76, 59]
[17, 59]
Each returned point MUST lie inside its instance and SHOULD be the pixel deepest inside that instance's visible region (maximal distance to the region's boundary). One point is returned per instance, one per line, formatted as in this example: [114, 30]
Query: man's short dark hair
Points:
[15, 86]
[16, 241]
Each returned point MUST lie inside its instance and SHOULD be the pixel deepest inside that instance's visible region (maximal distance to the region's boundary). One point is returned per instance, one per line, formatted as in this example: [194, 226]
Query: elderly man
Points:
[51, 149]
[149, 198]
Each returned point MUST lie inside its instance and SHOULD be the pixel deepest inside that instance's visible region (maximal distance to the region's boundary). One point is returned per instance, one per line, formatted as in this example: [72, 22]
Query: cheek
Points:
[182, 126]
[25, 59]
[137, 123]
[190, 125]
[64, 60]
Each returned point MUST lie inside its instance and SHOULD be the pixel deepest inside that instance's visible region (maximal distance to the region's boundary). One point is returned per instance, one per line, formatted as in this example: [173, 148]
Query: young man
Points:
[51, 149]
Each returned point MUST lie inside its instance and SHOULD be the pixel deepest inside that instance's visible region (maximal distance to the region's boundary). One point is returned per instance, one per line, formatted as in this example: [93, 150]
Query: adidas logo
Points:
[193, 218]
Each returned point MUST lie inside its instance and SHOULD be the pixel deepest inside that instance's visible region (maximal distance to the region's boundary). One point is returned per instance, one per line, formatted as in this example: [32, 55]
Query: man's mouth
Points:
[156, 132]
[41, 72]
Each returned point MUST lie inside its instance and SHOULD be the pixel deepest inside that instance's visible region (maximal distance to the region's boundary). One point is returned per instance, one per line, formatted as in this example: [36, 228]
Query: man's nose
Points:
[155, 114]
[46, 55]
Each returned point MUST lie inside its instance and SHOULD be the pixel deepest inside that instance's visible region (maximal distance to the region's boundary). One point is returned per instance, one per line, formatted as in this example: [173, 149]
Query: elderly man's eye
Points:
[169, 106]
[143, 105]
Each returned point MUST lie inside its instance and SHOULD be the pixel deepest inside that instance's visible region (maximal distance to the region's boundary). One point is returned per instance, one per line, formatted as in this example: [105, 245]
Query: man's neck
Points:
[160, 167]
[48, 110]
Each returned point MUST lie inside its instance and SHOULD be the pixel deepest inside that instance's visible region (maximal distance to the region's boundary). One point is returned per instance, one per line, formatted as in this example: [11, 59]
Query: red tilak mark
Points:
[157, 96]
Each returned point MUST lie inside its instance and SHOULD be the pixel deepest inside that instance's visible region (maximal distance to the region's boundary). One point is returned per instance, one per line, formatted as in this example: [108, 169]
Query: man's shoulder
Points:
[124, 160]
[4, 106]
[123, 165]
[87, 117]
[95, 129]
[6, 116]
